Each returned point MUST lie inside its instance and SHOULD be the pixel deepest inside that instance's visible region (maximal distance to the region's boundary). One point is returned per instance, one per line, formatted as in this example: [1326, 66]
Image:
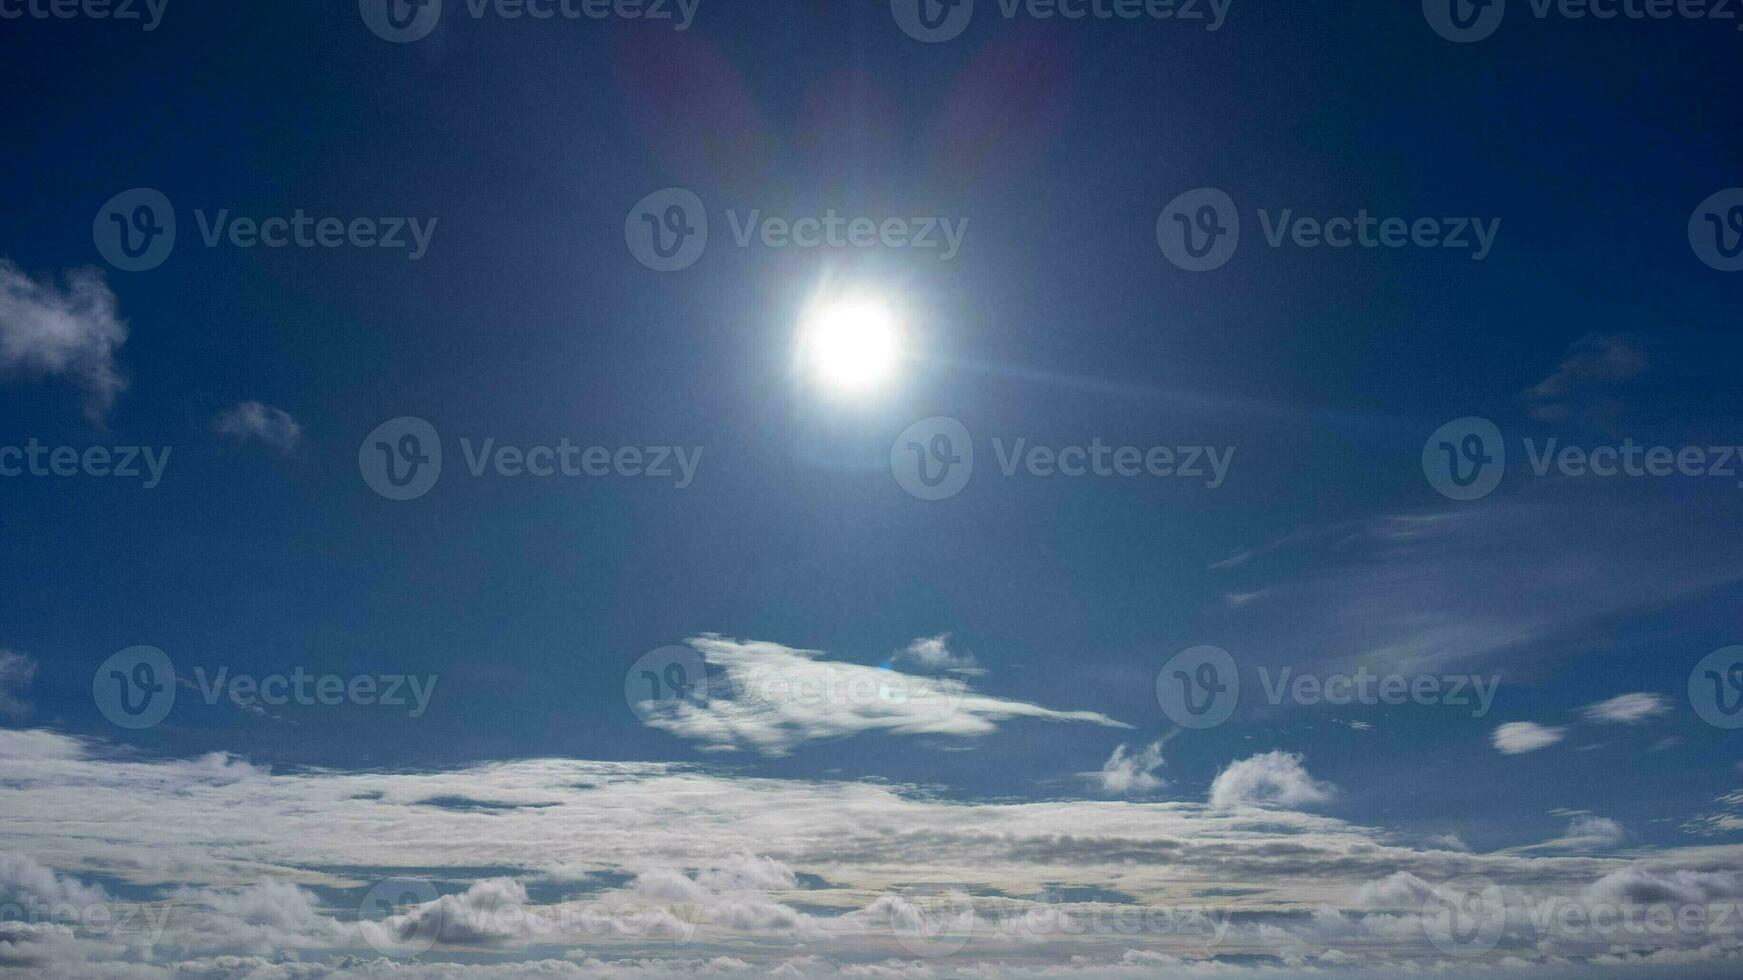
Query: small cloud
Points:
[933, 654]
[1132, 774]
[1585, 832]
[1594, 362]
[16, 673]
[1627, 709]
[1525, 736]
[252, 420]
[70, 331]
[1448, 842]
[1271, 778]
[1235, 560]
[1360, 726]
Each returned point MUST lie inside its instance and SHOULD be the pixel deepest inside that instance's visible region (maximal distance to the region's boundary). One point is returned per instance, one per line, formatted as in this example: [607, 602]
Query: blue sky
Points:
[986, 667]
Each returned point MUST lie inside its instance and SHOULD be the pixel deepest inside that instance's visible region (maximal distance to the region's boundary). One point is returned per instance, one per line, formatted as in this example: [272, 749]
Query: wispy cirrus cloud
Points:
[1584, 383]
[1627, 709]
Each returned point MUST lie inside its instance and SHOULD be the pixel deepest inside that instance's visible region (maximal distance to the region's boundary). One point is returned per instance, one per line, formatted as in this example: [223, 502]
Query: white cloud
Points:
[1627, 709]
[933, 655]
[72, 332]
[1525, 736]
[1134, 774]
[772, 698]
[1271, 778]
[252, 420]
[16, 673]
[1581, 383]
[719, 874]
[1586, 832]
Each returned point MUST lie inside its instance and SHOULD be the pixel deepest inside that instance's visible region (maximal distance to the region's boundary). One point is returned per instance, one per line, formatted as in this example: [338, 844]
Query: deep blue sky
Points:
[1061, 320]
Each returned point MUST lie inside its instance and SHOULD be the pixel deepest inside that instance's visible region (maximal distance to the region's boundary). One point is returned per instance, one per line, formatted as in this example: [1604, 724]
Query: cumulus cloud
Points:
[258, 422]
[772, 698]
[16, 673]
[1627, 709]
[932, 654]
[1132, 773]
[1586, 832]
[1525, 736]
[1275, 778]
[646, 869]
[68, 331]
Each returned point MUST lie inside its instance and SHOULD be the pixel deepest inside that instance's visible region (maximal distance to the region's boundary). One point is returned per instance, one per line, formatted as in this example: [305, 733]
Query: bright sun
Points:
[850, 345]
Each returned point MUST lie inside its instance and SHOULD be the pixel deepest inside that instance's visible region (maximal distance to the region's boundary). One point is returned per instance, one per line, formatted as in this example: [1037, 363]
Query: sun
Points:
[850, 345]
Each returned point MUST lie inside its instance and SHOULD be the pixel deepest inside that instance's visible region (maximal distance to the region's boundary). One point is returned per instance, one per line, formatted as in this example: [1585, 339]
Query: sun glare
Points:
[850, 345]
